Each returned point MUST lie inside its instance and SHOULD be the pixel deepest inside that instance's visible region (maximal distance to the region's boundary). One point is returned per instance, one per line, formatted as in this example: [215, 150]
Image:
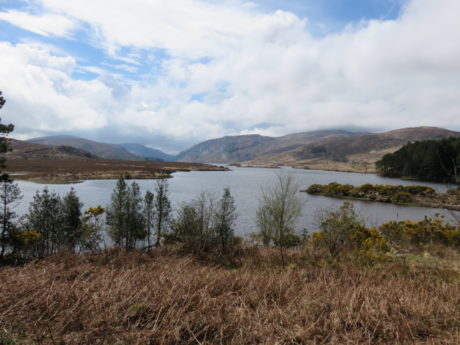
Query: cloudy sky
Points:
[171, 73]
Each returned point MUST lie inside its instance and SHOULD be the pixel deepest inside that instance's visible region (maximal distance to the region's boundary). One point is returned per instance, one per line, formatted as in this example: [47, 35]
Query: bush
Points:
[428, 230]
[401, 198]
[315, 189]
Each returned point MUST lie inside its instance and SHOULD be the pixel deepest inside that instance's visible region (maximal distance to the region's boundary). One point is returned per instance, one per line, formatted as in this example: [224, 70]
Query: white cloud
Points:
[46, 25]
[264, 72]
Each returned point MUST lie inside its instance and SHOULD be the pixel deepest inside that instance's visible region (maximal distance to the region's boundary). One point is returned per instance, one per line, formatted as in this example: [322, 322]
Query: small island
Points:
[422, 196]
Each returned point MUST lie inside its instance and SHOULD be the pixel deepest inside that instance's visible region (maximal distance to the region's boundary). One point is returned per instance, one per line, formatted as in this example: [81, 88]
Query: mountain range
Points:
[325, 149]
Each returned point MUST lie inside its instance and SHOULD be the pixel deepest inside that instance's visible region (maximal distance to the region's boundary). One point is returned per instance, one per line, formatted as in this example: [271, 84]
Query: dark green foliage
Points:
[124, 215]
[4, 130]
[162, 209]
[116, 212]
[149, 212]
[45, 218]
[193, 225]
[430, 160]
[71, 219]
[10, 195]
[225, 216]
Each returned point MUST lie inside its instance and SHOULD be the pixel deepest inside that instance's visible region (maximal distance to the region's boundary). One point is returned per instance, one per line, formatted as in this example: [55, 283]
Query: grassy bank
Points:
[164, 297]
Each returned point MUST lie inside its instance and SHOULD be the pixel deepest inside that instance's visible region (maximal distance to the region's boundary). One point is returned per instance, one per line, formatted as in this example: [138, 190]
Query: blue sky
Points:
[170, 74]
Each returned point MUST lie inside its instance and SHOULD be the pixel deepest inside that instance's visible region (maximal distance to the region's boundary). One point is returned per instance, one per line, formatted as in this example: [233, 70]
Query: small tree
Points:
[193, 224]
[338, 227]
[45, 218]
[162, 208]
[224, 217]
[279, 210]
[10, 194]
[124, 215]
[149, 212]
[4, 130]
[116, 212]
[92, 225]
[71, 219]
[135, 221]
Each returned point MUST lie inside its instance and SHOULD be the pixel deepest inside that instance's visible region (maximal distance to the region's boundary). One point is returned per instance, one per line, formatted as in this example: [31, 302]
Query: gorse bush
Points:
[342, 231]
[429, 230]
[387, 193]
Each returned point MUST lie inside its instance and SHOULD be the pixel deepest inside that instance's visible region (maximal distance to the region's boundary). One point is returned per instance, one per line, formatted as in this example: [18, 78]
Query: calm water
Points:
[245, 185]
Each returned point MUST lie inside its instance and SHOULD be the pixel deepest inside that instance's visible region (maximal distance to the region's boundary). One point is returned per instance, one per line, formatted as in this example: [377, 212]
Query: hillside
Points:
[242, 148]
[147, 153]
[102, 150]
[27, 150]
[352, 153]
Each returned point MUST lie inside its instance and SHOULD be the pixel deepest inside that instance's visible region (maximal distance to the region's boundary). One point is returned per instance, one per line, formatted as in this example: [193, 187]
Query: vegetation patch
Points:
[428, 160]
[415, 195]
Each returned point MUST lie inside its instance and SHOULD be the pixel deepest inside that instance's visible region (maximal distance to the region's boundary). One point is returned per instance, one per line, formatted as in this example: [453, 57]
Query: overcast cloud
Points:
[172, 73]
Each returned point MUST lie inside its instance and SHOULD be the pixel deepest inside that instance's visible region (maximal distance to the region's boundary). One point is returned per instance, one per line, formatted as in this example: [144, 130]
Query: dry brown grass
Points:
[162, 298]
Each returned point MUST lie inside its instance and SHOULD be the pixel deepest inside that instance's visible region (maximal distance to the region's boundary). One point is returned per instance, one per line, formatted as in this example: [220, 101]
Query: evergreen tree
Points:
[10, 194]
[162, 209]
[135, 221]
[4, 130]
[149, 212]
[224, 217]
[116, 212]
[45, 218]
[124, 215]
[71, 219]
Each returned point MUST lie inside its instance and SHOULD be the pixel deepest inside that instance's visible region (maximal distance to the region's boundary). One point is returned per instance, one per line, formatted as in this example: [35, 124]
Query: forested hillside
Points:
[430, 160]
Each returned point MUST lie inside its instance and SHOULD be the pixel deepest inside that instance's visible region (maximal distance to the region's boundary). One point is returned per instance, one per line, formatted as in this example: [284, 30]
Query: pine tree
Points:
[45, 218]
[10, 194]
[149, 203]
[225, 216]
[71, 222]
[162, 208]
[116, 212]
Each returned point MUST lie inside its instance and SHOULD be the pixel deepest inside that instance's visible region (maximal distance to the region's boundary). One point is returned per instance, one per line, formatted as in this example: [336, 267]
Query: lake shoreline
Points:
[70, 171]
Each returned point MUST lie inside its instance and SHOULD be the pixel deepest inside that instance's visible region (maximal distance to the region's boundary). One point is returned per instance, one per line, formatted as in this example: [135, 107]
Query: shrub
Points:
[428, 230]
[401, 198]
[315, 189]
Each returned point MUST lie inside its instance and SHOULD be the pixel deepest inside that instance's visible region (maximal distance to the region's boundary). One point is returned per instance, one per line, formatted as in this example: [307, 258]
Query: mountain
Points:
[326, 149]
[147, 152]
[351, 153]
[102, 150]
[27, 150]
[242, 148]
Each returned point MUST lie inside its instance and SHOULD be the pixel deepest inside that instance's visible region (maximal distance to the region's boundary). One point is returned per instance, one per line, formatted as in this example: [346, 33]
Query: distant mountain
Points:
[27, 150]
[352, 153]
[102, 150]
[242, 148]
[147, 152]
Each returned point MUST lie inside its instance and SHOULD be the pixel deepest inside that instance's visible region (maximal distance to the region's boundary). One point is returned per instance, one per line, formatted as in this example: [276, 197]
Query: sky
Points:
[172, 73]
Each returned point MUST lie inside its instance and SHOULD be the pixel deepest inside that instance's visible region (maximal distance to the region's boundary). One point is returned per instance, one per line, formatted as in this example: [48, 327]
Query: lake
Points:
[245, 185]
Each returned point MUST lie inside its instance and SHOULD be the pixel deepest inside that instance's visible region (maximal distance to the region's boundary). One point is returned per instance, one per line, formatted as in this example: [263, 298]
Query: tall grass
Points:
[163, 298]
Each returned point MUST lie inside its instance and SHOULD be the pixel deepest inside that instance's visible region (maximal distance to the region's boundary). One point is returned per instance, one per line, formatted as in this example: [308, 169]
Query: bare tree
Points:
[279, 209]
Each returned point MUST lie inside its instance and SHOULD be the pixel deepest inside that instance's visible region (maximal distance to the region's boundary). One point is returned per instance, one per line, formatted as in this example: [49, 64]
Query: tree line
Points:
[428, 160]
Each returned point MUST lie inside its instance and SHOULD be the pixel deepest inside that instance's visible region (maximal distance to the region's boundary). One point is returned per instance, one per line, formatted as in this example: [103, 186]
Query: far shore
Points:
[59, 171]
